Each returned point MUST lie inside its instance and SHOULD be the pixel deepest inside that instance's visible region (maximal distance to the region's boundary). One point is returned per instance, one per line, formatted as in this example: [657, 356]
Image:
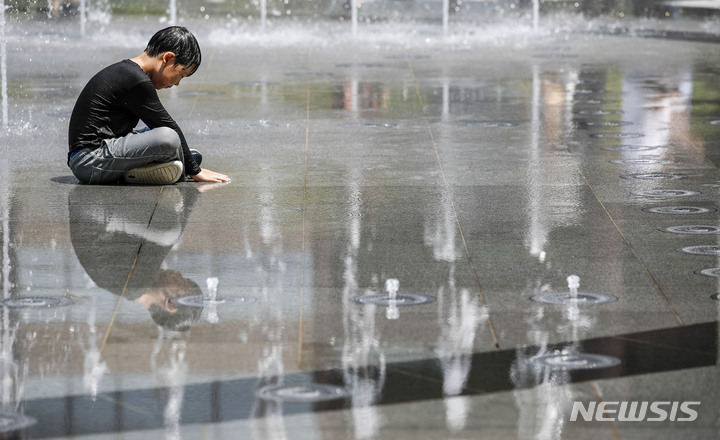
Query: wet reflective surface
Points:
[478, 175]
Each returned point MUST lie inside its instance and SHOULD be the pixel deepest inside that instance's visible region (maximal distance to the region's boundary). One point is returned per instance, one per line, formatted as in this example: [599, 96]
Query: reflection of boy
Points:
[105, 237]
[104, 145]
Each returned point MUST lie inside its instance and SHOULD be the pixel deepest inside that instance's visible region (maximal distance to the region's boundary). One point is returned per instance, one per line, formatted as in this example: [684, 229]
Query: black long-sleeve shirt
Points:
[111, 105]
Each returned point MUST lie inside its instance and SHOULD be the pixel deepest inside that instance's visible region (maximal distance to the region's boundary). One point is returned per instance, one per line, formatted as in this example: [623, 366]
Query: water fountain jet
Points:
[354, 16]
[173, 12]
[263, 15]
[83, 18]
[446, 16]
[3, 66]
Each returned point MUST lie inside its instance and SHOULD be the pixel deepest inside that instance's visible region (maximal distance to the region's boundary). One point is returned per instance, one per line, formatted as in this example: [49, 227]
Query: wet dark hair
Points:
[181, 42]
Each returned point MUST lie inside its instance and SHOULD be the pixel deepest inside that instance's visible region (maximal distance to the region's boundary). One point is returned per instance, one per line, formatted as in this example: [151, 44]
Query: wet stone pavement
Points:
[477, 169]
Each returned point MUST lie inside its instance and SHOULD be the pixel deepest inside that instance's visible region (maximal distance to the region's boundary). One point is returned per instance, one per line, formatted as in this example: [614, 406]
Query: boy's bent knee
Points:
[166, 136]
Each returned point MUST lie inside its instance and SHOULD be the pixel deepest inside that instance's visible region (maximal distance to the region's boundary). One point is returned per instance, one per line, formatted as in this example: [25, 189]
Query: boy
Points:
[105, 148]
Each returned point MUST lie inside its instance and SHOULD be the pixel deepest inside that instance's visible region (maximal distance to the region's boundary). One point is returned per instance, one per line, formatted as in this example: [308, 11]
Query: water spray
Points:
[173, 12]
[83, 18]
[3, 66]
[354, 16]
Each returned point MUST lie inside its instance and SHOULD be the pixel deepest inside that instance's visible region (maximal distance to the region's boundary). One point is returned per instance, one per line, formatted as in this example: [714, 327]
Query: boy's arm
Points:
[143, 100]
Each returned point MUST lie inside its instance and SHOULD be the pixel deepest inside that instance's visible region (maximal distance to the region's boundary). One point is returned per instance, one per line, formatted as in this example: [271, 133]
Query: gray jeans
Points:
[109, 163]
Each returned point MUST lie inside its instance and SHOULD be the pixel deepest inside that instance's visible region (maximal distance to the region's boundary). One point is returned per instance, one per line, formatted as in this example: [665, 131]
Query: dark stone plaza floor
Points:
[480, 169]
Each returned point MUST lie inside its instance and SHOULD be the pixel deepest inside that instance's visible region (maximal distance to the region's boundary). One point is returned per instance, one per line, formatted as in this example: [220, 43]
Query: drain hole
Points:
[565, 298]
[606, 123]
[641, 161]
[581, 361]
[679, 210]
[378, 124]
[617, 135]
[653, 176]
[305, 393]
[201, 93]
[36, 302]
[703, 249]
[555, 55]
[254, 83]
[490, 124]
[666, 193]
[630, 148]
[593, 101]
[369, 125]
[407, 57]
[308, 74]
[402, 299]
[692, 229]
[343, 65]
[201, 301]
[709, 272]
[598, 112]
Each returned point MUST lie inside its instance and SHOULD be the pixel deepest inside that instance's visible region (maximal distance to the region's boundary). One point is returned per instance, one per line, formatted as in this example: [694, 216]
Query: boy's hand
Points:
[210, 176]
